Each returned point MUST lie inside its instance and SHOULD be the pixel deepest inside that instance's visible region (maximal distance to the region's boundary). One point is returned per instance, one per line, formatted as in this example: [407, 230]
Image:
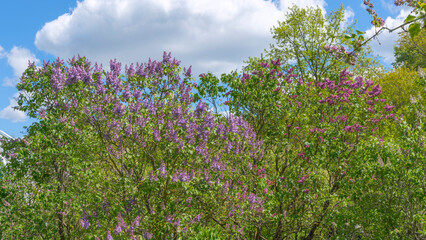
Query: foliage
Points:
[417, 18]
[320, 147]
[411, 52]
[125, 156]
[311, 40]
[400, 89]
[300, 38]
[149, 165]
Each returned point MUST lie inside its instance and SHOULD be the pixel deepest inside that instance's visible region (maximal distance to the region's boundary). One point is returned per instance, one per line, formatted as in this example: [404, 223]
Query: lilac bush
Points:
[154, 166]
[312, 135]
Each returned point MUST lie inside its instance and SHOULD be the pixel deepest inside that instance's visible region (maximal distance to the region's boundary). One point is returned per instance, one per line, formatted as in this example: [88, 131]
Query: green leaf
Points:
[359, 32]
[414, 29]
[410, 18]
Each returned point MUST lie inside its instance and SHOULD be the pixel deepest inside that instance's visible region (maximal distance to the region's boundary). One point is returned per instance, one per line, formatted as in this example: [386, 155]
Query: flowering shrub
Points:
[312, 135]
[154, 167]
[134, 155]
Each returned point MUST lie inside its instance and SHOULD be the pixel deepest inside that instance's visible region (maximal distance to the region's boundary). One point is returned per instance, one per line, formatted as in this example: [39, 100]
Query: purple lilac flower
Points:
[117, 229]
[176, 223]
[201, 149]
[156, 135]
[170, 218]
[57, 79]
[175, 178]
[225, 185]
[302, 179]
[147, 235]
[389, 108]
[128, 130]
[188, 72]
[85, 222]
[6, 203]
[135, 223]
[130, 71]
[276, 62]
[127, 93]
[183, 176]
[119, 108]
[167, 57]
[115, 66]
[264, 64]
[377, 90]
[201, 108]
[109, 237]
[198, 217]
[252, 198]
[344, 118]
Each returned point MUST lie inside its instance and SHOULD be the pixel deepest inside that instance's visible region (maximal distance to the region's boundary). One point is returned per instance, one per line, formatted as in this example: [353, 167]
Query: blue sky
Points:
[210, 35]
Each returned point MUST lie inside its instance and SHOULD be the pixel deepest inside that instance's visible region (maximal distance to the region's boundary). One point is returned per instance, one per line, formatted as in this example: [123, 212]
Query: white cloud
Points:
[10, 82]
[211, 35]
[390, 6]
[11, 114]
[348, 17]
[2, 52]
[383, 45]
[18, 59]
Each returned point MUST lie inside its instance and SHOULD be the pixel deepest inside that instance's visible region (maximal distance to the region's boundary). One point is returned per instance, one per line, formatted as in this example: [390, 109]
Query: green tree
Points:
[399, 86]
[411, 52]
[301, 38]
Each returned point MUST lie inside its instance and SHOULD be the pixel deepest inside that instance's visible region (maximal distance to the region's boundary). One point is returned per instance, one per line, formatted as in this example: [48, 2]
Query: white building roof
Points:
[3, 135]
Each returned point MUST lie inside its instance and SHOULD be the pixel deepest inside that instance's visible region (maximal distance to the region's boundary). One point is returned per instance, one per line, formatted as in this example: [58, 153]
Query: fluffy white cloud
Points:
[11, 114]
[348, 17]
[18, 59]
[210, 35]
[384, 43]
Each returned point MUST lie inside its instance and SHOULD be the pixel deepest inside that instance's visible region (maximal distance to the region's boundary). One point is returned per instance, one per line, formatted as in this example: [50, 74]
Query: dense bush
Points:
[137, 155]
[125, 156]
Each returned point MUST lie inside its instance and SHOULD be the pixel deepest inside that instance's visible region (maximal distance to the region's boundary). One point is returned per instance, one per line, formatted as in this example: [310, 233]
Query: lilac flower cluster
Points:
[342, 53]
[342, 92]
[303, 178]
[85, 221]
[410, 3]
[354, 128]
[377, 21]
